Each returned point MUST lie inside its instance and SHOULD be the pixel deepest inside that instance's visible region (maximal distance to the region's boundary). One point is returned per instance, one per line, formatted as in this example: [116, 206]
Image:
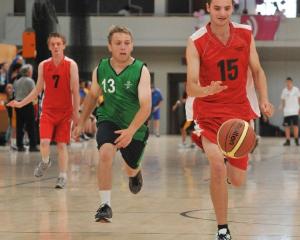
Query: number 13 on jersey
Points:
[109, 85]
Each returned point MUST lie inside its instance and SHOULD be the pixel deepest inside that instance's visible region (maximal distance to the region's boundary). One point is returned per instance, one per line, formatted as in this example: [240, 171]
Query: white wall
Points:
[6, 7]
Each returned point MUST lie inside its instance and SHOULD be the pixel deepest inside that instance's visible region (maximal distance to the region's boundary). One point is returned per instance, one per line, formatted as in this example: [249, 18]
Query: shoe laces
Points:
[102, 206]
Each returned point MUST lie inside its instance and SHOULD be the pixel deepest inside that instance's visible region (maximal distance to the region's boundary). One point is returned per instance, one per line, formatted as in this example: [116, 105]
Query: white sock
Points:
[63, 175]
[105, 196]
[45, 159]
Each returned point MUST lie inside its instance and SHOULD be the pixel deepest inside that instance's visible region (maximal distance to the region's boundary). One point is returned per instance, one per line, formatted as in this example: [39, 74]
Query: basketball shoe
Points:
[223, 234]
[136, 183]
[104, 213]
[61, 183]
[41, 168]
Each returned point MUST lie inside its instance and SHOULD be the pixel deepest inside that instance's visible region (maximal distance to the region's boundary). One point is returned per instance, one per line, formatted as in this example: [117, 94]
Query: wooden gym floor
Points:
[173, 204]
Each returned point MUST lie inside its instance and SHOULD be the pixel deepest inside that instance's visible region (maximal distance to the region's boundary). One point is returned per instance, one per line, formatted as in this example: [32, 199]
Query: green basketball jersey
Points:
[120, 93]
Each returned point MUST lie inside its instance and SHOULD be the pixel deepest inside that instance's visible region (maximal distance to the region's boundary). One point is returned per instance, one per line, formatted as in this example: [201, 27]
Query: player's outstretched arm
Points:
[35, 91]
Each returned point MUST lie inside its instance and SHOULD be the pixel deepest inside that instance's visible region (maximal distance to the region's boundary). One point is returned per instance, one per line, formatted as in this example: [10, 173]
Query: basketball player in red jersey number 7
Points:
[58, 77]
[218, 58]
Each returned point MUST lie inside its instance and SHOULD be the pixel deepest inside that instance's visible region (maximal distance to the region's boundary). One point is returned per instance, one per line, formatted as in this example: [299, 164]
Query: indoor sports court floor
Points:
[174, 203]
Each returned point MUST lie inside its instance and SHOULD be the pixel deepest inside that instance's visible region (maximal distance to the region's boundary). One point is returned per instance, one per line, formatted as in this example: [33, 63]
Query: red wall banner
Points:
[263, 27]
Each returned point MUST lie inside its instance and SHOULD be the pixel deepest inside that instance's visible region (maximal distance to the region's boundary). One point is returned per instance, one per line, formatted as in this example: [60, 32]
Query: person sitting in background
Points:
[3, 76]
[14, 68]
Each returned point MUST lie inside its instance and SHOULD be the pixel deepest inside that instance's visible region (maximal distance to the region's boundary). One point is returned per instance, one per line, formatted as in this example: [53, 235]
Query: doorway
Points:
[176, 88]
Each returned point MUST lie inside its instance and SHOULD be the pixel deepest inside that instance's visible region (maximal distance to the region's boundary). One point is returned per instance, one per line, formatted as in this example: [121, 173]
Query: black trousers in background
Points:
[25, 119]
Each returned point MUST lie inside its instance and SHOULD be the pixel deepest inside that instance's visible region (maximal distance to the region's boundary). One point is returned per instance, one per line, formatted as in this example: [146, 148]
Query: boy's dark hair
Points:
[289, 78]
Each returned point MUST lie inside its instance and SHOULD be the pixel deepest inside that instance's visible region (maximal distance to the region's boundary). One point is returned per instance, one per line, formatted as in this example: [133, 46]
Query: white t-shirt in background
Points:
[291, 101]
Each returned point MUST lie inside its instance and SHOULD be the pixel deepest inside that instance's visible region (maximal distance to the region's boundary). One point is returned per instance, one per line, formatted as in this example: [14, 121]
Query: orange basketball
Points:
[236, 138]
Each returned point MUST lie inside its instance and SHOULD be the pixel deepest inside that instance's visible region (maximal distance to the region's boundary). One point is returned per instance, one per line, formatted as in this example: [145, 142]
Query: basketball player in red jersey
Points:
[58, 77]
[218, 58]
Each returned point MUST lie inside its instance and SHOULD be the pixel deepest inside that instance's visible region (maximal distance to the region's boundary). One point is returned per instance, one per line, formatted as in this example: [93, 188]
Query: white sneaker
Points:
[223, 234]
[41, 168]
[182, 145]
[61, 183]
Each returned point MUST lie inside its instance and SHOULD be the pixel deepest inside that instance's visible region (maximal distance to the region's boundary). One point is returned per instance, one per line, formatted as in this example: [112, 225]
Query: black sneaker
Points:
[34, 149]
[21, 149]
[287, 143]
[104, 213]
[136, 183]
[296, 141]
[223, 234]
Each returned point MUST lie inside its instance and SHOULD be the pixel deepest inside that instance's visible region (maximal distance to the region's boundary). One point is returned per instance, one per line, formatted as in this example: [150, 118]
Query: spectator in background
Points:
[290, 99]
[82, 92]
[14, 68]
[156, 103]
[187, 124]
[3, 76]
[25, 115]
[15, 73]
[9, 91]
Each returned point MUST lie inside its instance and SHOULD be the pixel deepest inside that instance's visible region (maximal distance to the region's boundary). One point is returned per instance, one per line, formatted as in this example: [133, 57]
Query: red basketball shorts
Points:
[56, 125]
[208, 128]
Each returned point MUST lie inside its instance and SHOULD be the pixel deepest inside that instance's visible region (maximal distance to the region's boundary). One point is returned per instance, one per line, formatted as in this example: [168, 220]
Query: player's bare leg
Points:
[63, 159]
[135, 179]
[45, 163]
[236, 176]
[107, 153]
[287, 136]
[218, 184]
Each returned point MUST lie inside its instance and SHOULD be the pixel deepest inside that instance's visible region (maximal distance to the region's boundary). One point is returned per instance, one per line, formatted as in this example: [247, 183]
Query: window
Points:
[268, 7]
[93, 7]
[186, 6]
[113, 6]
[83, 6]
[19, 6]
[60, 6]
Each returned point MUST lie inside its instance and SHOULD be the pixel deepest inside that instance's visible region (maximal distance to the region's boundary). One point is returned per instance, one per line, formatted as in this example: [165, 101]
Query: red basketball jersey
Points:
[57, 94]
[227, 63]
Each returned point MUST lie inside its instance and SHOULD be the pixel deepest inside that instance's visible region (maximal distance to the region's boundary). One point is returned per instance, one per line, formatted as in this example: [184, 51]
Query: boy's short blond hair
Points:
[118, 29]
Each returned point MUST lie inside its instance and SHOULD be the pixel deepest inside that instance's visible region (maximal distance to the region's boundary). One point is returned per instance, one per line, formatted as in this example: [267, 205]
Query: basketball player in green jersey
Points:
[124, 83]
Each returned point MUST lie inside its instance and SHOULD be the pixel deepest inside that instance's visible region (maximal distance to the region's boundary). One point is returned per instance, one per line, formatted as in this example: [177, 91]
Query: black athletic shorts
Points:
[132, 154]
[291, 121]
